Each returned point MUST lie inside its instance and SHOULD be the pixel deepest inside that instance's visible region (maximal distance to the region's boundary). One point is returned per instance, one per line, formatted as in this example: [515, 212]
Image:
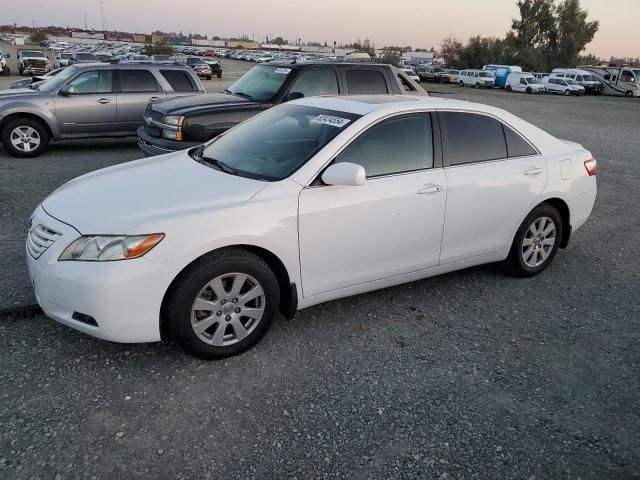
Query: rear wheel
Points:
[223, 304]
[536, 242]
[6, 72]
[529, 90]
[509, 89]
[628, 94]
[25, 137]
[461, 83]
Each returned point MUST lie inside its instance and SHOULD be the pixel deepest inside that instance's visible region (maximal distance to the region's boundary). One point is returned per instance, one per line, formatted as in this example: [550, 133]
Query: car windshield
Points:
[55, 82]
[588, 78]
[531, 80]
[485, 74]
[636, 72]
[571, 82]
[454, 72]
[260, 83]
[274, 144]
[194, 60]
[33, 54]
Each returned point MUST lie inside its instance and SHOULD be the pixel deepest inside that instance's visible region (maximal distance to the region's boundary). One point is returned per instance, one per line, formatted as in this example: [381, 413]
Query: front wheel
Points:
[223, 304]
[567, 93]
[529, 90]
[461, 84]
[477, 85]
[509, 88]
[219, 75]
[25, 137]
[536, 242]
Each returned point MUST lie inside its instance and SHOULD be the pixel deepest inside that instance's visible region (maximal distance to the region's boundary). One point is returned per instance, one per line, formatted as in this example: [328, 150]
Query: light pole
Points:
[102, 13]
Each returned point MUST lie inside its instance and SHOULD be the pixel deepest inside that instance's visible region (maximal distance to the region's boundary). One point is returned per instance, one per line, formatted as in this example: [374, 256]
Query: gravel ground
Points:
[473, 374]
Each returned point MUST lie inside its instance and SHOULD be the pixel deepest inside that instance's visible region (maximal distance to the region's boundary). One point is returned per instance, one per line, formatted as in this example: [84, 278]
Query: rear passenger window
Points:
[180, 81]
[363, 81]
[394, 146]
[313, 83]
[470, 138]
[132, 81]
[516, 145]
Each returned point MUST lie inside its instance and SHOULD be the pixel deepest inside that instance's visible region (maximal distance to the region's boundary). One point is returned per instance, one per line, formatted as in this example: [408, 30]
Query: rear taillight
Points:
[590, 167]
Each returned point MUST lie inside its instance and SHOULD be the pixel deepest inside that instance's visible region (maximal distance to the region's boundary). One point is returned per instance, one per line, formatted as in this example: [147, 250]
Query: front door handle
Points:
[533, 171]
[153, 99]
[430, 188]
[104, 101]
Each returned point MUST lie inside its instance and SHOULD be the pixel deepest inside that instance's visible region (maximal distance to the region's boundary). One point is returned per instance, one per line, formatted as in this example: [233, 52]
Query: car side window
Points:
[313, 83]
[406, 85]
[516, 145]
[137, 81]
[398, 145]
[523, 81]
[366, 81]
[93, 81]
[626, 76]
[471, 138]
[180, 81]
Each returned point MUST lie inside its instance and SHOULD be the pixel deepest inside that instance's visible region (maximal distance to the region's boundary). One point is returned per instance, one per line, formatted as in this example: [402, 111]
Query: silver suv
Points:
[88, 100]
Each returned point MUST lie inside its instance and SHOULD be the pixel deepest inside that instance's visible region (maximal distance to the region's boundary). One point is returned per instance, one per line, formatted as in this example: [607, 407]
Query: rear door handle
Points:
[104, 100]
[533, 171]
[430, 188]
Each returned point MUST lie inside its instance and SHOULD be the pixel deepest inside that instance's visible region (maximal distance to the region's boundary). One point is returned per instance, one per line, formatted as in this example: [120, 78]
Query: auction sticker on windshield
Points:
[283, 71]
[331, 120]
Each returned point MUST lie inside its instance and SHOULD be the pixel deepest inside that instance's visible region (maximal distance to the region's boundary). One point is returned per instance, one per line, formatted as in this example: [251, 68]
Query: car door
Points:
[494, 177]
[389, 226]
[138, 87]
[89, 107]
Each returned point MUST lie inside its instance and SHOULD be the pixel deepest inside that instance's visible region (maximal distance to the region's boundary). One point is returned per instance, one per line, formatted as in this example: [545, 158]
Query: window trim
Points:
[443, 134]
[316, 179]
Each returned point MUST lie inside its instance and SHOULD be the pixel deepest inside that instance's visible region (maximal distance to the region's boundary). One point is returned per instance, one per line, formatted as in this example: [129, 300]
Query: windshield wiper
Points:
[242, 94]
[223, 167]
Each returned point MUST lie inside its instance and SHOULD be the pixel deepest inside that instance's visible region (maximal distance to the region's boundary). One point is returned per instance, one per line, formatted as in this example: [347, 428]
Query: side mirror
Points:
[293, 96]
[67, 90]
[344, 174]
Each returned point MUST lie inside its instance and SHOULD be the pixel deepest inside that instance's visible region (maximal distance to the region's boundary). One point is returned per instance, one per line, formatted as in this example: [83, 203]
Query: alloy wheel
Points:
[538, 242]
[25, 139]
[228, 309]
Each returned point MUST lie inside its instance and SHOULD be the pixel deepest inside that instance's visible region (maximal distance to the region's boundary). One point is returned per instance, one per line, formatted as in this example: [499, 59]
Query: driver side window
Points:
[93, 81]
[313, 83]
[398, 145]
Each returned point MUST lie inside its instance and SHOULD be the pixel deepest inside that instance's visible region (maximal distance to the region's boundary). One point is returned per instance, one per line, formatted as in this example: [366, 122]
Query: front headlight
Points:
[102, 248]
[173, 120]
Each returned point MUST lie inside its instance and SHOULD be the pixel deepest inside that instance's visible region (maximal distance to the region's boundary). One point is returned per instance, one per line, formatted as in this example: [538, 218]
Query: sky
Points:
[419, 23]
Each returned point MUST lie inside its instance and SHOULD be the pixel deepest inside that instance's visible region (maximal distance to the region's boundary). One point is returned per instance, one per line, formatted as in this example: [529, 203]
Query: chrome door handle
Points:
[430, 188]
[533, 171]
[153, 99]
[104, 101]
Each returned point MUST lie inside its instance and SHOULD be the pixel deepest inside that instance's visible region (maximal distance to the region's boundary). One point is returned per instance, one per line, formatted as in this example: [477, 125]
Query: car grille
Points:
[40, 238]
[152, 115]
[36, 63]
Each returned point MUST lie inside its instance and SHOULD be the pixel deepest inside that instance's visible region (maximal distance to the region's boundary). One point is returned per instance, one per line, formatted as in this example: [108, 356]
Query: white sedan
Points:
[317, 199]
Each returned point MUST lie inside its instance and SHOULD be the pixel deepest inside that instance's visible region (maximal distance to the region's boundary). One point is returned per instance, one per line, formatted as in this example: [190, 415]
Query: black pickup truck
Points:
[180, 123]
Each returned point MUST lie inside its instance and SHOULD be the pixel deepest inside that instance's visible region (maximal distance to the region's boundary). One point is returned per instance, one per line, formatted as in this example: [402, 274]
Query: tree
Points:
[279, 41]
[533, 38]
[38, 36]
[451, 52]
[158, 49]
[574, 32]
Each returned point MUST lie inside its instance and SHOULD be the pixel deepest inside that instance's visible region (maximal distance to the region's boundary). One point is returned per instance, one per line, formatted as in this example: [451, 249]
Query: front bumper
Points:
[123, 297]
[152, 146]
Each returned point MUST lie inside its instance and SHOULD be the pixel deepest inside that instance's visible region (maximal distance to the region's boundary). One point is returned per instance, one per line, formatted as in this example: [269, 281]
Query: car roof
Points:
[364, 104]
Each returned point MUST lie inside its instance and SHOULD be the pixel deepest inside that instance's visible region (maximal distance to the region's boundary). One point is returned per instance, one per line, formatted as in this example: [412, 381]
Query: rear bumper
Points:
[152, 146]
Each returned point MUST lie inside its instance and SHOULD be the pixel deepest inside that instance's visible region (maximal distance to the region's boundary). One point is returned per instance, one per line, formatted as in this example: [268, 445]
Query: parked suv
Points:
[4, 68]
[88, 100]
[178, 124]
[202, 68]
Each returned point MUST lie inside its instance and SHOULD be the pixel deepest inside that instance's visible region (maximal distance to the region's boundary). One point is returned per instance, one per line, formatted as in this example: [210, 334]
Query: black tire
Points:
[628, 94]
[11, 125]
[208, 77]
[190, 283]
[20, 71]
[515, 262]
[6, 72]
[219, 75]
[509, 89]
[461, 83]
[477, 85]
[567, 93]
[529, 90]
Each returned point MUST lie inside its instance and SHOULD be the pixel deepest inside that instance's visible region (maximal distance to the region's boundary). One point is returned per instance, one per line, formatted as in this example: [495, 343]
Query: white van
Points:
[523, 82]
[565, 86]
[582, 77]
[476, 78]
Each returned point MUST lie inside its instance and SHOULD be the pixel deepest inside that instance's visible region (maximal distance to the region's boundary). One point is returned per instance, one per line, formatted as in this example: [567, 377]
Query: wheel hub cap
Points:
[538, 242]
[25, 139]
[228, 309]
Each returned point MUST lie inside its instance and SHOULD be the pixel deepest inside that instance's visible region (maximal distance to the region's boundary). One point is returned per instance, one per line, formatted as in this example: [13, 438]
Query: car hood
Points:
[182, 105]
[16, 93]
[116, 199]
